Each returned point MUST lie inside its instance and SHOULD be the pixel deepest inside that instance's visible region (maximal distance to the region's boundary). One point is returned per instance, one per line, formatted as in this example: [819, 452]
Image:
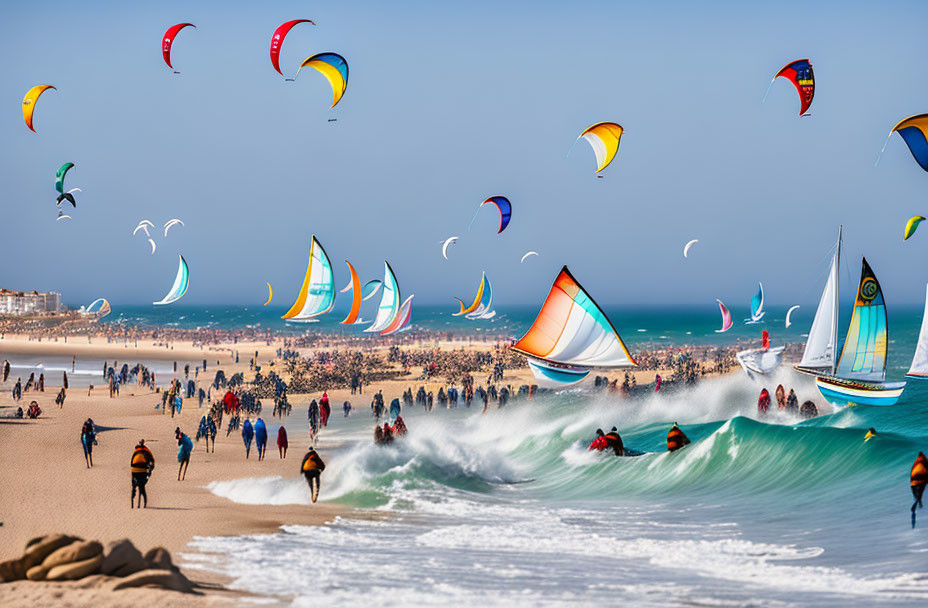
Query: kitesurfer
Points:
[871, 433]
[184, 449]
[141, 465]
[282, 442]
[676, 438]
[763, 401]
[918, 480]
[312, 467]
[88, 440]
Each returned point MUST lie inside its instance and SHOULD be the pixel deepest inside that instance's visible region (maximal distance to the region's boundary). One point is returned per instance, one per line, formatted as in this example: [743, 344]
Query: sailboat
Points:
[763, 360]
[181, 282]
[317, 295]
[401, 321]
[726, 318]
[858, 376]
[757, 306]
[919, 368]
[389, 306]
[571, 336]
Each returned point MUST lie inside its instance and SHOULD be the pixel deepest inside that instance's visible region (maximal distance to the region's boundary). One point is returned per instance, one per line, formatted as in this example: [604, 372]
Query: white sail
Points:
[920, 360]
[822, 343]
[317, 295]
[181, 281]
[389, 302]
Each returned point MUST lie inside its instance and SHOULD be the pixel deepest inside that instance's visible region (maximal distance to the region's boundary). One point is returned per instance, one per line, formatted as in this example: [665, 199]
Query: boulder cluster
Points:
[59, 557]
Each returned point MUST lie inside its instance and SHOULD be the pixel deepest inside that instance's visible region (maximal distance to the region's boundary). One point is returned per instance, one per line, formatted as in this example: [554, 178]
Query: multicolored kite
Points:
[911, 225]
[29, 101]
[914, 131]
[604, 137]
[168, 40]
[800, 74]
[277, 40]
[335, 69]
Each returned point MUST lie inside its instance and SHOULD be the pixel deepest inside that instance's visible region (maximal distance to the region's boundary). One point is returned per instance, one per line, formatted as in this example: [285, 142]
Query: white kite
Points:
[153, 246]
[168, 224]
[788, 313]
[530, 253]
[61, 217]
[686, 248]
[445, 244]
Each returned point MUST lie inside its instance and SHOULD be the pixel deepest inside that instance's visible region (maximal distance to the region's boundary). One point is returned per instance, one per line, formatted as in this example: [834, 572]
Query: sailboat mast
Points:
[834, 339]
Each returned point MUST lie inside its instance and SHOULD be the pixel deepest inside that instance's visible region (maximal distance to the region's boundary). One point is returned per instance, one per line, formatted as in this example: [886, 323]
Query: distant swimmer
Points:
[184, 449]
[763, 402]
[141, 466]
[871, 433]
[312, 468]
[676, 439]
[282, 442]
[88, 440]
[918, 481]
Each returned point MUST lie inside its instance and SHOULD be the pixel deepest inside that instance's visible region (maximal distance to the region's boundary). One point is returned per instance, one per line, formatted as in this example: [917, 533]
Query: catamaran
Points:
[763, 360]
[858, 376]
[317, 295]
[571, 336]
[919, 368]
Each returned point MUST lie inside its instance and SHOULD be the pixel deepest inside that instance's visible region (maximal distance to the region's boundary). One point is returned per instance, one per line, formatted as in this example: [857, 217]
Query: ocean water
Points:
[510, 508]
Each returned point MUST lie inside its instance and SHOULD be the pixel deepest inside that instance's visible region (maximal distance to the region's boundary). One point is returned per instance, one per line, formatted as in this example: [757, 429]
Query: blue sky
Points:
[447, 104]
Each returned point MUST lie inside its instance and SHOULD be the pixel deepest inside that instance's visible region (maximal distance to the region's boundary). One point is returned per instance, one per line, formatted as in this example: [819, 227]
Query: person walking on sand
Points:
[88, 440]
[59, 399]
[313, 415]
[312, 468]
[282, 442]
[184, 449]
[6, 369]
[141, 466]
[324, 410]
[248, 433]
[260, 438]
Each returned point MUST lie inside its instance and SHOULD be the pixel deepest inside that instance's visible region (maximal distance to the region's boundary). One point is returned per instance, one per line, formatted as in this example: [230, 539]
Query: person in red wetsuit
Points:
[324, 410]
[918, 479]
[763, 402]
[599, 444]
[610, 440]
[282, 443]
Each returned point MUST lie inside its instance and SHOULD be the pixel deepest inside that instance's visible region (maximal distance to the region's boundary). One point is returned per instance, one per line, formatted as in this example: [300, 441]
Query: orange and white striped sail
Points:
[572, 330]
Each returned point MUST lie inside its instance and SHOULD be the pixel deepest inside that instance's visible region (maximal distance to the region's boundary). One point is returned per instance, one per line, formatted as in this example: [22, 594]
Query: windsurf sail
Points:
[726, 318]
[402, 318]
[920, 360]
[466, 310]
[181, 282]
[355, 287]
[389, 305]
[485, 308]
[572, 331]
[864, 354]
[757, 305]
[317, 295]
[822, 343]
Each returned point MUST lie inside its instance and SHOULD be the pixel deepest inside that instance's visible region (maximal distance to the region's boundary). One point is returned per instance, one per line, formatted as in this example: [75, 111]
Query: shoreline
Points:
[50, 490]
